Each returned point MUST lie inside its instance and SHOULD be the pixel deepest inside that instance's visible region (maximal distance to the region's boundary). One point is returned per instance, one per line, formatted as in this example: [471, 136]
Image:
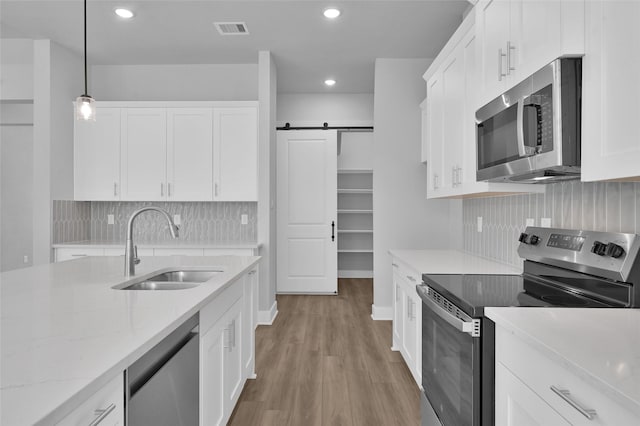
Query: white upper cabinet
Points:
[611, 67]
[168, 151]
[143, 164]
[189, 154]
[518, 37]
[450, 122]
[97, 157]
[235, 142]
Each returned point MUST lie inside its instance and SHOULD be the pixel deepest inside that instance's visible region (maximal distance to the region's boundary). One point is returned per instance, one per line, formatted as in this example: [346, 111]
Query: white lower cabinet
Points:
[532, 388]
[227, 349]
[407, 318]
[104, 408]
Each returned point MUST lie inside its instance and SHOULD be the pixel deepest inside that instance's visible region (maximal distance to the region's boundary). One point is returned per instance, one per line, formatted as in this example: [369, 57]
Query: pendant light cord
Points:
[85, 48]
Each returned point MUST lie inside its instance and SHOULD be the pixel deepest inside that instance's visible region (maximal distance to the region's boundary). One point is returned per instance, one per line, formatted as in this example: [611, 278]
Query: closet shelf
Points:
[354, 211]
[355, 231]
[356, 251]
[355, 191]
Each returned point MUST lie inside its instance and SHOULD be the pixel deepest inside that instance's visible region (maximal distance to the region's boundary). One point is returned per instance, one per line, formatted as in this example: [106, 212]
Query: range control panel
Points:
[584, 251]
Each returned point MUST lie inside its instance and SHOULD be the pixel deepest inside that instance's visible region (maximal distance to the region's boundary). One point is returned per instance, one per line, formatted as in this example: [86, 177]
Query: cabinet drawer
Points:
[109, 398]
[63, 254]
[229, 252]
[540, 373]
[177, 252]
[408, 275]
[221, 304]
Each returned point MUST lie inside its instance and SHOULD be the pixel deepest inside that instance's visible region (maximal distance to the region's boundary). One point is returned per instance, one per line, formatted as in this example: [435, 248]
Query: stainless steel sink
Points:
[156, 285]
[171, 280]
[185, 276]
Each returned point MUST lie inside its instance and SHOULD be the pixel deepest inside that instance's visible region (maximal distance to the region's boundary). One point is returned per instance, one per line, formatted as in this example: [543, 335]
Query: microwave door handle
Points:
[520, 129]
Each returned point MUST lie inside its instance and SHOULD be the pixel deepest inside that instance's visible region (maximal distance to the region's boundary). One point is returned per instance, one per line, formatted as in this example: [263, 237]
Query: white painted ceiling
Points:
[307, 47]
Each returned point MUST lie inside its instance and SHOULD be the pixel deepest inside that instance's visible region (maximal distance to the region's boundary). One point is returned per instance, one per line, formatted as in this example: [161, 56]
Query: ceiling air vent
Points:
[232, 28]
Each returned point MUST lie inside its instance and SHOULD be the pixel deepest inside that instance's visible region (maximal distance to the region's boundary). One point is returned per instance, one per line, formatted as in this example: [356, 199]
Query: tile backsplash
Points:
[216, 222]
[600, 206]
[71, 221]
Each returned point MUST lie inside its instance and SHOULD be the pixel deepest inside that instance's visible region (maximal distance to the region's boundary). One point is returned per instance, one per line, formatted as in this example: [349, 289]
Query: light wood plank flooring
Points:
[324, 361]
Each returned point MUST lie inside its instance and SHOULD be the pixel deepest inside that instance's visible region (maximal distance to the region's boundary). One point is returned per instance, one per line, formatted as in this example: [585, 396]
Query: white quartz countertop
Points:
[65, 332]
[600, 345]
[450, 262]
[165, 244]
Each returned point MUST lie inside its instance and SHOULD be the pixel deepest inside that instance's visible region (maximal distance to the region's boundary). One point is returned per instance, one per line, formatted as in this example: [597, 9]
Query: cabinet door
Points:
[213, 346]
[518, 405]
[144, 154]
[435, 133]
[535, 36]
[409, 333]
[96, 162]
[492, 26]
[233, 371]
[467, 172]
[611, 66]
[398, 313]
[235, 157]
[453, 116]
[250, 311]
[189, 154]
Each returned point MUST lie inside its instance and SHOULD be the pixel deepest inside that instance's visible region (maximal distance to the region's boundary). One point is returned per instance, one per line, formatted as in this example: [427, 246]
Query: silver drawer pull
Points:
[566, 395]
[410, 278]
[395, 265]
[102, 414]
[78, 255]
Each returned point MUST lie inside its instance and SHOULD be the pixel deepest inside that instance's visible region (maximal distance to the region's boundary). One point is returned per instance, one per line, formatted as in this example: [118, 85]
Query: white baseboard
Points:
[267, 317]
[382, 313]
[355, 274]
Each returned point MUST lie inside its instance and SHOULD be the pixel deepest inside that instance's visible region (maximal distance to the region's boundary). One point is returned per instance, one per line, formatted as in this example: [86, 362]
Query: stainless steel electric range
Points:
[562, 268]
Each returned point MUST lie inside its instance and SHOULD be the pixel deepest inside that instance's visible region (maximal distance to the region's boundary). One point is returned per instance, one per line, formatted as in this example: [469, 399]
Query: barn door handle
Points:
[333, 230]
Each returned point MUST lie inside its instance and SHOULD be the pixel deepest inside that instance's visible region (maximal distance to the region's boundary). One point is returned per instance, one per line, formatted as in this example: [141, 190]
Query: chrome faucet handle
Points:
[136, 259]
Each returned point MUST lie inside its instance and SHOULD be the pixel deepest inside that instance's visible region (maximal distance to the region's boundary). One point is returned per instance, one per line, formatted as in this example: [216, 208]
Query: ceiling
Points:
[307, 47]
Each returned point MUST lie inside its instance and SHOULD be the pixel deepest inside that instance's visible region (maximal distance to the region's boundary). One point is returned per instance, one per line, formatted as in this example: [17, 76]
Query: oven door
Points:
[451, 364]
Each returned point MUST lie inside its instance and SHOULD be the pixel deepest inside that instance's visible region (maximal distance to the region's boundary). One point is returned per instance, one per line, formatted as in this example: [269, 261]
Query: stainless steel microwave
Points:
[531, 133]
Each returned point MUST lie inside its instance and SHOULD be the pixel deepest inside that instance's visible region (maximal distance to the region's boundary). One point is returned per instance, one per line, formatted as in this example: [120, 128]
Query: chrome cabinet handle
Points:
[252, 272]
[102, 414]
[408, 307]
[500, 56]
[169, 189]
[78, 255]
[566, 396]
[233, 333]
[510, 47]
[435, 181]
[395, 265]
[115, 189]
[215, 190]
[410, 278]
[459, 175]
[162, 189]
[227, 339]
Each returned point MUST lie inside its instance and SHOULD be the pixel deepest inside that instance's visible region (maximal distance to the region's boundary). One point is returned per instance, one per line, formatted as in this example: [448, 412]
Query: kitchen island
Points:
[65, 332]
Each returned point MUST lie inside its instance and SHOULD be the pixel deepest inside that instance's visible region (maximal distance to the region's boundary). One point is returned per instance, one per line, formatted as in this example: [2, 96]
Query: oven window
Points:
[498, 138]
[447, 370]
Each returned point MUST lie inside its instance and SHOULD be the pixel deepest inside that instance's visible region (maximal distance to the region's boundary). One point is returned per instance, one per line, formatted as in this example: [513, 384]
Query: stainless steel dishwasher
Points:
[163, 385]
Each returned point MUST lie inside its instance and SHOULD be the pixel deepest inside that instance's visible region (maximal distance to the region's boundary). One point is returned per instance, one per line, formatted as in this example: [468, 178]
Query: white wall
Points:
[313, 109]
[355, 150]
[16, 69]
[403, 218]
[197, 82]
[267, 186]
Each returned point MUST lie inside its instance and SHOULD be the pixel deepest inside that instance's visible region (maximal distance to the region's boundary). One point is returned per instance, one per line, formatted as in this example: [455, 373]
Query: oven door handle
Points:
[471, 327]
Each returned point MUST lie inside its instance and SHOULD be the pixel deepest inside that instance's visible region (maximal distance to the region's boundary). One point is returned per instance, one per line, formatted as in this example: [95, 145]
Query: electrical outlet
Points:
[479, 223]
[244, 219]
[545, 222]
[176, 219]
[25, 259]
[110, 219]
[530, 222]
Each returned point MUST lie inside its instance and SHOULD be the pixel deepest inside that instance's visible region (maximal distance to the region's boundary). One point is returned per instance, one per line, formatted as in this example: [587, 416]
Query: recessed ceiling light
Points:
[331, 13]
[124, 13]
[330, 82]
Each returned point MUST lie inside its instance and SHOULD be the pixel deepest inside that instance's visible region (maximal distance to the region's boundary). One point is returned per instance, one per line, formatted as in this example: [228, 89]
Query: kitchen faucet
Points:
[131, 251]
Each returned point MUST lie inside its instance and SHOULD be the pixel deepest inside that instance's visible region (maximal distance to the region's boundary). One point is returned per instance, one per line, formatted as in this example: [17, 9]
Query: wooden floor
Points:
[324, 361]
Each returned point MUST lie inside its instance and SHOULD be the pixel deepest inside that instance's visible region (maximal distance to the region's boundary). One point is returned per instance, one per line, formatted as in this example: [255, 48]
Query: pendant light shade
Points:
[85, 104]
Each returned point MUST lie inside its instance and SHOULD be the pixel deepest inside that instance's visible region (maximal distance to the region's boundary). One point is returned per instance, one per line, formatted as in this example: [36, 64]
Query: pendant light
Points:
[85, 104]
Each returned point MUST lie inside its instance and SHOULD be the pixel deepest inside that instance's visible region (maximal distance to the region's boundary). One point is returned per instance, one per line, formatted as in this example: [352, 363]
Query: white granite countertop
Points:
[600, 345]
[450, 262]
[165, 244]
[65, 332]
